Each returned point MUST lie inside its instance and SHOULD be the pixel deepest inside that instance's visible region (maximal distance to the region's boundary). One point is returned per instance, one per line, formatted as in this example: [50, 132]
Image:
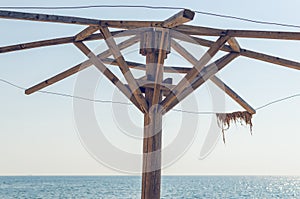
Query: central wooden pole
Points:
[152, 46]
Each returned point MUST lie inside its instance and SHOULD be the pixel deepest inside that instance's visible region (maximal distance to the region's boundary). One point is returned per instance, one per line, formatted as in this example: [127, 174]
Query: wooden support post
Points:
[151, 176]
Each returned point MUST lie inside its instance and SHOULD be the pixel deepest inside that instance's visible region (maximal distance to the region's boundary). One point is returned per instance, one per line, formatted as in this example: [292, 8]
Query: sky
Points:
[39, 133]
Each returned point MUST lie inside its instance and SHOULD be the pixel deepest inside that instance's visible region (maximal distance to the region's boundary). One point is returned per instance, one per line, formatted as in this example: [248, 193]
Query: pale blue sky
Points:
[38, 134]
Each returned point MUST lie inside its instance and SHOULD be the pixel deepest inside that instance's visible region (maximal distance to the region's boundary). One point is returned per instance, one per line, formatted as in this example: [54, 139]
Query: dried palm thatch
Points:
[225, 119]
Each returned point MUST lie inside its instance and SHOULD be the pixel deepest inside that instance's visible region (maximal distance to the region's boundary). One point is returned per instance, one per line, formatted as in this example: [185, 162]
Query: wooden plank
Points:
[233, 43]
[264, 34]
[232, 94]
[244, 52]
[199, 30]
[52, 42]
[47, 18]
[77, 20]
[204, 75]
[194, 72]
[214, 79]
[78, 67]
[124, 68]
[270, 59]
[108, 74]
[179, 18]
[86, 33]
[205, 31]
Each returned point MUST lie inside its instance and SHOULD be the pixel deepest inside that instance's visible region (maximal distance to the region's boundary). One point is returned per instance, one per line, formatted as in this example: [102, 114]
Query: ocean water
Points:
[130, 186]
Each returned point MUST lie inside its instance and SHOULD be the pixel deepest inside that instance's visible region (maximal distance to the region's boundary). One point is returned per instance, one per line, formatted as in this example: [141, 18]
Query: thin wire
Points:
[125, 103]
[148, 7]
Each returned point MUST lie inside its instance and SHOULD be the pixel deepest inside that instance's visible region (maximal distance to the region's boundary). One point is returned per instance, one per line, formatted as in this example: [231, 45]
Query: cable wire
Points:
[147, 7]
[125, 103]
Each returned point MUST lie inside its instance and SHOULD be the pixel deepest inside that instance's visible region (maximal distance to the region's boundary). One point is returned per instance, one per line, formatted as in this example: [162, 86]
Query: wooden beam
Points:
[232, 94]
[264, 34]
[151, 84]
[214, 79]
[199, 30]
[140, 66]
[205, 31]
[115, 51]
[194, 72]
[243, 52]
[77, 20]
[108, 74]
[52, 42]
[47, 18]
[179, 18]
[204, 75]
[86, 33]
[270, 59]
[79, 67]
[233, 43]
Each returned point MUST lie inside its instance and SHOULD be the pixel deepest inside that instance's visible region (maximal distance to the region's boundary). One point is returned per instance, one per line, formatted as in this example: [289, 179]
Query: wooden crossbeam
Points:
[243, 52]
[86, 33]
[140, 66]
[199, 30]
[204, 75]
[77, 20]
[124, 68]
[109, 75]
[78, 67]
[52, 42]
[184, 53]
[179, 18]
[232, 94]
[194, 72]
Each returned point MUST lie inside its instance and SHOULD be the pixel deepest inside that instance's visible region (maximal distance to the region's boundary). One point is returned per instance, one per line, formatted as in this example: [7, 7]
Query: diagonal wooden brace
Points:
[189, 57]
[115, 51]
[194, 72]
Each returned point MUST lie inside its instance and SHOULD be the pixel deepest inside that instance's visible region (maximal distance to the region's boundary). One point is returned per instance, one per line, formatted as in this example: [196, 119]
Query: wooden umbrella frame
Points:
[153, 95]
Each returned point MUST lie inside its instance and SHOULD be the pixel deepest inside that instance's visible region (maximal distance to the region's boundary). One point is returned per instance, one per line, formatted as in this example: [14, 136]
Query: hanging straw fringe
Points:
[225, 119]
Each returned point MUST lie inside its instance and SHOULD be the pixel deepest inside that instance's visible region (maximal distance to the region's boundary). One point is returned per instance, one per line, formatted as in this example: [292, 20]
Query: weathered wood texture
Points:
[115, 51]
[244, 52]
[186, 82]
[109, 75]
[52, 42]
[78, 67]
[204, 75]
[178, 19]
[189, 57]
[151, 176]
[77, 20]
[86, 33]
[232, 94]
[205, 31]
[234, 44]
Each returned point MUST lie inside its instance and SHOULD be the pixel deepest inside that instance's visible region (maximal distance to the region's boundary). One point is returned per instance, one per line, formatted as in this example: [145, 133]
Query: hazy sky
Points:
[38, 133]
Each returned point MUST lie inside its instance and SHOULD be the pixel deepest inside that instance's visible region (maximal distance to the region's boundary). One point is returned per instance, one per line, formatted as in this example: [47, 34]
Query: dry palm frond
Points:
[225, 119]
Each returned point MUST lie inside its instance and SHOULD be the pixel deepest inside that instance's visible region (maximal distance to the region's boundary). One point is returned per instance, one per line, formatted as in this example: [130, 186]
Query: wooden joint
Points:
[179, 18]
[233, 43]
[154, 41]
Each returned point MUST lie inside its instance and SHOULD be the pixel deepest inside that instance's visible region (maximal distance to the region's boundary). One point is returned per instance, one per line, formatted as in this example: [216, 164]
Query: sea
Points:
[130, 187]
